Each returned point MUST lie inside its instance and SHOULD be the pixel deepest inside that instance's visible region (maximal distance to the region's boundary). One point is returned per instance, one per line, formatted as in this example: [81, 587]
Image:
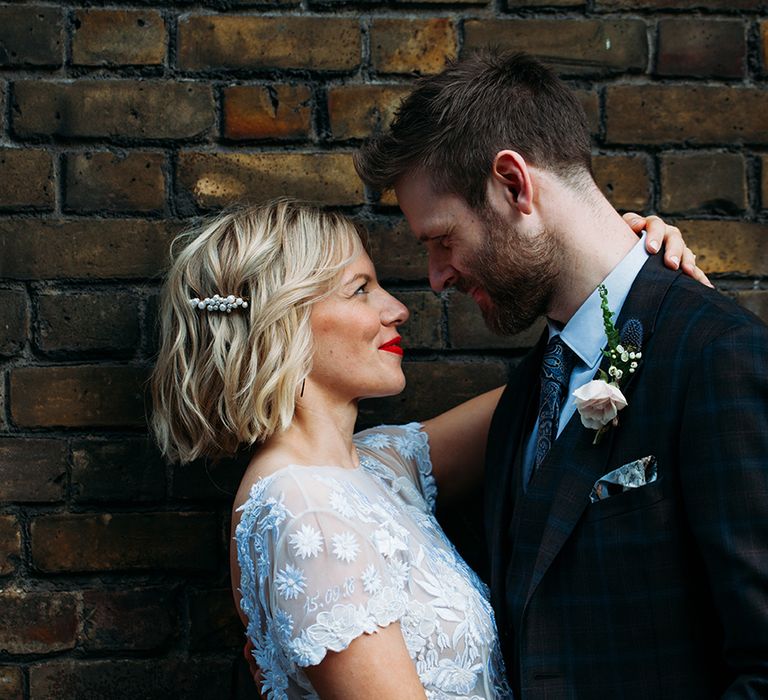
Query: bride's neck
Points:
[320, 434]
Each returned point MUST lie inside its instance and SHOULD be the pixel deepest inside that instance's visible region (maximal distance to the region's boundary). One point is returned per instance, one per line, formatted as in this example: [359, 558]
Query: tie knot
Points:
[558, 362]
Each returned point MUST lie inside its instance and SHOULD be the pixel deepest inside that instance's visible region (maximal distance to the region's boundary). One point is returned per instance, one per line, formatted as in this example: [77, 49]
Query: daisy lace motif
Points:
[307, 542]
[345, 546]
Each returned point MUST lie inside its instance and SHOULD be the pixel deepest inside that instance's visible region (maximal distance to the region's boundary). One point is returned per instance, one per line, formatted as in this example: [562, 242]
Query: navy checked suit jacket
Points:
[661, 591]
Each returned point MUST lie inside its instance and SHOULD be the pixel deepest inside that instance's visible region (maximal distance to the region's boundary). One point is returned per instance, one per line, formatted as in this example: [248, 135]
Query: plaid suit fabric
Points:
[661, 591]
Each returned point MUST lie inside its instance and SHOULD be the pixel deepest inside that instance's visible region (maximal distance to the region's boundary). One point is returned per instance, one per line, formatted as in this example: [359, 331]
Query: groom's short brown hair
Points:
[454, 123]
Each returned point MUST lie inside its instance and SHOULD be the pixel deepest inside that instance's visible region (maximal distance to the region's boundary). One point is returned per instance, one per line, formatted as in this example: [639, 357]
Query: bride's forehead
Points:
[361, 265]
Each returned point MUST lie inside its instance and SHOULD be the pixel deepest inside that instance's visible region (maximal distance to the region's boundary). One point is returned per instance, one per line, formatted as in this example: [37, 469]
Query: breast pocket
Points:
[631, 500]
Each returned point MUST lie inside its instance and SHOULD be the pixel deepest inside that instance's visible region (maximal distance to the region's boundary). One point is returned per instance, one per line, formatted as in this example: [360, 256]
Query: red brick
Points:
[357, 111]
[728, 246]
[11, 683]
[252, 43]
[217, 179]
[395, 250]
[701, 48]
[756, 300]
[30, 36]
[128, 182]
[27, 177]
[78, 396]
[412, 46]
[82, 321]
[140, 619]
[434, 386]
[3, 419]
[728, 5]
[14, 321]
[439, 2]
[129, 679]
[571, 46]
[696, 114]
[10, 553]
[591, 103]
[469, 332]
[146, 109]
[703, 182]
[424, 328]
[32, 249]
[213, 621]
[202, 481]
[32, 469]
[128, 470]
[37, 622]
[267, 111]
[118, 37]
[387, 199]
[126, 541]
[624, 180]
[151, 322]
[513, 5]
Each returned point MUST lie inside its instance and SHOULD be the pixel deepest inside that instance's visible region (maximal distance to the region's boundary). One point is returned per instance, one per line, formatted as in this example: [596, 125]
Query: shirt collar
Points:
[584, 332]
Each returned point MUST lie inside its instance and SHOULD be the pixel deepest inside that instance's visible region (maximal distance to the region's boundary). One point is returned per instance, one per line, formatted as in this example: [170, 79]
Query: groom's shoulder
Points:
[707, 313]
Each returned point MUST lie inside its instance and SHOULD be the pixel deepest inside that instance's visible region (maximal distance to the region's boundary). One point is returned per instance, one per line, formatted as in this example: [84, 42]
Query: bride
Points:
[274, 327]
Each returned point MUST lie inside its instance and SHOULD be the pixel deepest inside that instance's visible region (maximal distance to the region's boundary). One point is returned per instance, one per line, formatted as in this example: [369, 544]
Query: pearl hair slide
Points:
[217, 303]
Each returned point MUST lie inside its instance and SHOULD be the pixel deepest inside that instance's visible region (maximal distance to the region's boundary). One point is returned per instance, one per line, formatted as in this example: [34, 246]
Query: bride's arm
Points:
[457, 444]
[373, 667]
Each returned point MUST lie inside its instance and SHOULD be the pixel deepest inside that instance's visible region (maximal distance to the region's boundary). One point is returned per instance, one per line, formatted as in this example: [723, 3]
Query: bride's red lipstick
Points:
[393, 346]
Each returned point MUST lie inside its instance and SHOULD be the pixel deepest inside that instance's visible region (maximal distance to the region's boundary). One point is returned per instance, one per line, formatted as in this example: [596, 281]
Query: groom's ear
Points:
[511, 174]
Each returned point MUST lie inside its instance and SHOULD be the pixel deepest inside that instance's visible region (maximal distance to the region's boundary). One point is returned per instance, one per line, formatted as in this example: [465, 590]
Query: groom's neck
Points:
[593, 240]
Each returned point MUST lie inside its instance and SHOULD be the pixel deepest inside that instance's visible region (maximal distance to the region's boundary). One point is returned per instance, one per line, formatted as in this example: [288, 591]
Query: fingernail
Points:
[675, 260]
[654, 246]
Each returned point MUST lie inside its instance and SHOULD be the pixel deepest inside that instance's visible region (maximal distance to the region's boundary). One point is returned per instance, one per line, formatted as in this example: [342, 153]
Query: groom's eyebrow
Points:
[439, 232]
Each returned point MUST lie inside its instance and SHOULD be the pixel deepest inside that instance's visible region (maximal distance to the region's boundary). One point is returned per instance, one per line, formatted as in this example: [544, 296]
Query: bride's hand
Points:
[676, 253]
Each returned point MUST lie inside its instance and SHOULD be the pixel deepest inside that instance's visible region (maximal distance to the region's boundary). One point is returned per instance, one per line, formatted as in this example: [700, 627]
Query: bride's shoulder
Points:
[264, 468]
[297, 488]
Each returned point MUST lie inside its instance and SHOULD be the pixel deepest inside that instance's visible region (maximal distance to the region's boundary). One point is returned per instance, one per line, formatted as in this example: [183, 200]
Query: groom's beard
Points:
[518, 271]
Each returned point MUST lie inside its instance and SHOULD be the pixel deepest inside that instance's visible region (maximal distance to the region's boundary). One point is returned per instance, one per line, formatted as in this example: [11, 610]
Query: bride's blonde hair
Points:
[223, 380]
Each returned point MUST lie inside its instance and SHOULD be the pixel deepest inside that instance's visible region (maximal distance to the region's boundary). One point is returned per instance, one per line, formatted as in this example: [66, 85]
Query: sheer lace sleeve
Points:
[321, 564]
[404, 448]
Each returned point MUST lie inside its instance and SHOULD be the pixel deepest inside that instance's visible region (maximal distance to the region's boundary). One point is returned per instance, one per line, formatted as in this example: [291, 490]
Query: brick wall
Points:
[119, 124]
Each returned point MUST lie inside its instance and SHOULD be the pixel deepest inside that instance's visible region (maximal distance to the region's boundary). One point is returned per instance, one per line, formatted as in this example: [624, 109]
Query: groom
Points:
[633, 563]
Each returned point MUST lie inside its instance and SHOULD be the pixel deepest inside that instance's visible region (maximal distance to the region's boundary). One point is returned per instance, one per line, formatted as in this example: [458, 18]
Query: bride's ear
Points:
[511, 175]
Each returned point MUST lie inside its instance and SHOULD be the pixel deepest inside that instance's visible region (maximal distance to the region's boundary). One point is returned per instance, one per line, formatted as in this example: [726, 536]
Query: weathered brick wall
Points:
[120, 124]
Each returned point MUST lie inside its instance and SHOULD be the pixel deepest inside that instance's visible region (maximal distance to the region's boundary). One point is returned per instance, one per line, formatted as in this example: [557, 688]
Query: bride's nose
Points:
[394, 311]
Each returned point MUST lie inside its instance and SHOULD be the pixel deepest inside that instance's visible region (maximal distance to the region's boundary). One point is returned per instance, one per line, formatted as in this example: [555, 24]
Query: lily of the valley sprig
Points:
[600, 400]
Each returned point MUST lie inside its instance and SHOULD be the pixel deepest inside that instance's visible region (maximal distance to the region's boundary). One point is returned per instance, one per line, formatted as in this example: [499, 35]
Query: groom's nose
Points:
[441, 275]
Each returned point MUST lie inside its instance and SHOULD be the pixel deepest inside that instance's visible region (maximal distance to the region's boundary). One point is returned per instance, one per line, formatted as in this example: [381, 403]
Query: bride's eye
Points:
[362, 289]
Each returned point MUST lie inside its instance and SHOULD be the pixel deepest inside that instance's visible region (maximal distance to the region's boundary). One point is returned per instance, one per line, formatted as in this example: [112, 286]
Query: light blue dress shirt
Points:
[585, 335]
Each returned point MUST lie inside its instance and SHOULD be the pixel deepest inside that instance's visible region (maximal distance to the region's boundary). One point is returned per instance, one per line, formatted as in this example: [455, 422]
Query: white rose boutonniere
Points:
[599, 401]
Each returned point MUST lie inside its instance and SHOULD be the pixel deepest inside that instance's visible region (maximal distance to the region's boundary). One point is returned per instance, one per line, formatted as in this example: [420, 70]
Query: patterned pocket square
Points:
[628, 476]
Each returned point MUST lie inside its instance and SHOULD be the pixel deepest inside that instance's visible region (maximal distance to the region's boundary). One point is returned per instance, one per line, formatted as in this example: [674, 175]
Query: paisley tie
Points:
[555, 375]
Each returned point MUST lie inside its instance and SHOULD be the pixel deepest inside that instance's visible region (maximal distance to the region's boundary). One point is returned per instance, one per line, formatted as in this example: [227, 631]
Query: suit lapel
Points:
[559, 492]
[508, 432]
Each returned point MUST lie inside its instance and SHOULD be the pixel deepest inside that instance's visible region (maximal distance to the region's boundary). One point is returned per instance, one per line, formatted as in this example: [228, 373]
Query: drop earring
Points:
[303, 382]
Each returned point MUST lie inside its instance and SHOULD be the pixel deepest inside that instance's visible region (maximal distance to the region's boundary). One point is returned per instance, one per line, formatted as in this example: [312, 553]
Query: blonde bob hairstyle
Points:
[226, 380]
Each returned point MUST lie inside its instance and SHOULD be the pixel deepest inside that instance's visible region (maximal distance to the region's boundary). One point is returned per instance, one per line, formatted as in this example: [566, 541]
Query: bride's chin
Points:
[384, 392]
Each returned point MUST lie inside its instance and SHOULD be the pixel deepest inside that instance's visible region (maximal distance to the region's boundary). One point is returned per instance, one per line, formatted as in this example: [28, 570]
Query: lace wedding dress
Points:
[327, 554]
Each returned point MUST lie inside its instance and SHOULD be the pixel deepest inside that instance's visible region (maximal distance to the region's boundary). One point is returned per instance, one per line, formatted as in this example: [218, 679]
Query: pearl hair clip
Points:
[217, 303]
